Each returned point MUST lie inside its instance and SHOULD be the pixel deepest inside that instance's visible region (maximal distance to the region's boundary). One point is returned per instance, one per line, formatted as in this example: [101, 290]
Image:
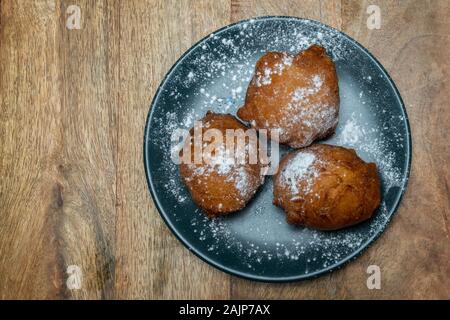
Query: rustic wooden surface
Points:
[73, 105]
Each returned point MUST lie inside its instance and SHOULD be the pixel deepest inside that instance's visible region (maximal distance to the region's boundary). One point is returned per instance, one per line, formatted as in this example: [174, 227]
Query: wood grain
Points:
[30, 134]
[87, 168]
[151, 263]
[73, 105]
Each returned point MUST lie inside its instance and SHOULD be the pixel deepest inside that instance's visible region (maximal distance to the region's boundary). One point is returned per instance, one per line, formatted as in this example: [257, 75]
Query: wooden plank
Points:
[88, 66]
[58, 160]
[246, 9]
[58, 205]
[413, 44]
[30, 143]
[151, 263]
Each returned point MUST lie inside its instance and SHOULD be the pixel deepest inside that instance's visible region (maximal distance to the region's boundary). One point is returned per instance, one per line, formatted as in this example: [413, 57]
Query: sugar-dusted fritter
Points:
[297, 94]
[326, 187]
[221, 183]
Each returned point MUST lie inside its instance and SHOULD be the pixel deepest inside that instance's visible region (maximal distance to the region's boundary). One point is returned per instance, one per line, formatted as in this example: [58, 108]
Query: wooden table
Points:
[73, 107]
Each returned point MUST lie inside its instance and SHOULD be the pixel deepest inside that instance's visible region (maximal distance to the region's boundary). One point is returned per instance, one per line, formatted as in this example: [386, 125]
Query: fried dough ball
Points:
[296, 94]
[326, 187]
[221, 183]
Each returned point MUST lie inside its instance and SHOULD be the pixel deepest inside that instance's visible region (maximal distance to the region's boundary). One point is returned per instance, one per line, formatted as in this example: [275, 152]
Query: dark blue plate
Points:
[257, 243]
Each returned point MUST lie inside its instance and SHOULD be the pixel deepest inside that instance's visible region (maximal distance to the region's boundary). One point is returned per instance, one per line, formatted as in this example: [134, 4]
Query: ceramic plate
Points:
[257, 243]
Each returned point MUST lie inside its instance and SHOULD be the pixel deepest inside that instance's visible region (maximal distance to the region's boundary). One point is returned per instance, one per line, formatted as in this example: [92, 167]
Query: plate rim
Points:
[250, 276]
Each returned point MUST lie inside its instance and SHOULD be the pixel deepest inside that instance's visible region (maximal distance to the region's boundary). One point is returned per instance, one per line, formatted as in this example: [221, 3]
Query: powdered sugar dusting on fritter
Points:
[301, 166]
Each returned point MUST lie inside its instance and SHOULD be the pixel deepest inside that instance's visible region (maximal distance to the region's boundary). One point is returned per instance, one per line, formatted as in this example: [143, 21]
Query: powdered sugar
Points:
[265, 78]
[227, 164]
[241, 180]
[351, 133]
[301, 94]
[270, 242]
[222, 162]
[299, 167]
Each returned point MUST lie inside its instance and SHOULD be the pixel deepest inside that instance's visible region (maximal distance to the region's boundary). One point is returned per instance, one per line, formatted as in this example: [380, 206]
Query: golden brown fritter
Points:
[221, 183]
[297, 94]
[326, 187]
